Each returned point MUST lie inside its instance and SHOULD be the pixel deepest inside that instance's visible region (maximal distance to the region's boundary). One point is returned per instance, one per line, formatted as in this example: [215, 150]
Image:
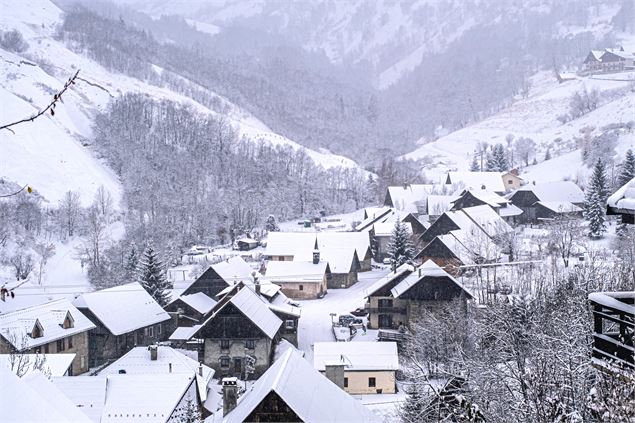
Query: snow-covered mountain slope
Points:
[394, 36]
[49, 153]
[536, 117]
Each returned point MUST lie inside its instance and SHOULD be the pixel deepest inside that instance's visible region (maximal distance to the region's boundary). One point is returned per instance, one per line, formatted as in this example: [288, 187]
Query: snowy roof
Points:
[356, 355]
[33, 398]
[560, 206]
[620, 53]
[311, 396]
[17, 326]
[427, 269]
[290, 243]
[374, 214]
[295, 271]
[88, 393]
[143, 398]
[403, 269]
[487, 220]
[199, 302]
[57, 364]
[301, 245]
[340, 260]
[123, 308]
[406, 197]
[492, 181]
[597, 54]
[385, 229]
[233, 270]
[437, 204]
[488, 197]
[510, 210]
[624, 198]
[137, 361]
[184, 333]
[612, 300]
[558, 191]
[360, 241]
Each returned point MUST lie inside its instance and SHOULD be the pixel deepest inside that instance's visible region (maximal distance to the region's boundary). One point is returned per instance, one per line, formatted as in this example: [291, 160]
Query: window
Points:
[346, 382]
[224, 344]
[151, 332]
[70, 342]
[60, 345]
[37, 331]
[159, 329]
[68, 321]
[250, 344]
[46, 348]
[384, 303]
[371, 382]
[510, 182]
[224, 362]
[301, 288]
[289, 324]
[82, 361]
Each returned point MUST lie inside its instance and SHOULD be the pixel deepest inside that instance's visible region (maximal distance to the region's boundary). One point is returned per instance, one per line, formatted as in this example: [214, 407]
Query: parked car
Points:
[348, 320]
[386, 260]
[359, 312]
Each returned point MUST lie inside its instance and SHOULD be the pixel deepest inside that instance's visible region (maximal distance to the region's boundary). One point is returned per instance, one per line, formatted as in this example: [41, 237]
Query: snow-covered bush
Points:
[13, 41]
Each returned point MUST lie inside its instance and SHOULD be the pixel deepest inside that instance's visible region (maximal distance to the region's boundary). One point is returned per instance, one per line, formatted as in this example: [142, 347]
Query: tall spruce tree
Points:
[132, 261]
[152, 278]
[595, 204]
[400, 248]
[497, 159]
[475, 167]
[627, 171]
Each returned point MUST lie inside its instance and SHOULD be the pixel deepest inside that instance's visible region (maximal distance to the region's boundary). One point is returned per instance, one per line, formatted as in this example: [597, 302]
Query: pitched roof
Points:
[560, 206]
[356, 355]
[487, 220]
[33, 398]
[385, 229]
[374, 214]
[437, 204]
[492, 181]
[360, 241]
[295, 271]
[88, 393]
[624, 198]
[311, 396]
[199, 302]
[57, 364]
[408, 197]
[488, 197]
[559, 191]
[17, 326]
[137, 361]
[233, 270]
[427, 269]
[391, 276]
[123, 308]
[290, 243]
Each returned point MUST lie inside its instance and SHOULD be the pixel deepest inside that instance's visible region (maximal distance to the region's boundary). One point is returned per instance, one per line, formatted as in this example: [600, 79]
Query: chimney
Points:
[394, 267]
[334, 372]
[419, 272]
[169, 367]
[154, 352]
[230, 394]
[200, 369]
[316, 256]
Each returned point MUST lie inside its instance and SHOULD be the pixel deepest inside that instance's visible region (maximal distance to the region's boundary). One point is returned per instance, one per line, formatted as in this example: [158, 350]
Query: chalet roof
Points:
[374, 214]
[57, 364]
[356, 355]
[301, 245]
[33, 398]
[560, 206]
[311, 396]
[401, 270]
[184, 333]
[16, 327]
[233, 270]
[620, 53]
[624, 198]
[290, 243]
[406, 197]
[510, 210]
[150, 398]
[137, 362]
[597, 54]
[296, 271]
[199, 302]
[488, 197]
[123, 308]
[487, 220]
[427, 269]
[359, 241]
[612, 300]
[492, 181]
[559, 191]
[87, 393]
[385, 229]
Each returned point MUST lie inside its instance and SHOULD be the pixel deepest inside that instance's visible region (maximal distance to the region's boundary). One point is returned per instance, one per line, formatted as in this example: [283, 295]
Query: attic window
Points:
[37, 331]
[68, 322]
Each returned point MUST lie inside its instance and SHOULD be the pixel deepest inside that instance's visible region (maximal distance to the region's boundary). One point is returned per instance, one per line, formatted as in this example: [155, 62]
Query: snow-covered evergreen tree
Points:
[475, 167]
[412, 408]
[152, 277]
[497, 159]
[132, 261]
[627, 171]
[400, 248]
[595, 204]
[272, 225]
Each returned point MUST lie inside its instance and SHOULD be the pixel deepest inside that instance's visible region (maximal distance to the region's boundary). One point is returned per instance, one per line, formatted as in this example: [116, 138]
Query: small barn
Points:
[547, 201]
[303, 280]
[246, 244]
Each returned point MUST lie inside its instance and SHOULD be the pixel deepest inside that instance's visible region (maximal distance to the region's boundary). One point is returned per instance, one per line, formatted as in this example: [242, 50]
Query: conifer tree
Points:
[132, 261]
[412, 409]
[548, 154]
[400, 248]
[151, 276]
[595, 204]
[628, 169]
[271, 225]
[475, 167]
[497, 159]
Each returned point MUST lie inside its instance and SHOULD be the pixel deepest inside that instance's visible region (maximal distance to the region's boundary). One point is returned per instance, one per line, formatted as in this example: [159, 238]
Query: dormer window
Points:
[37, 331]
[68, 322]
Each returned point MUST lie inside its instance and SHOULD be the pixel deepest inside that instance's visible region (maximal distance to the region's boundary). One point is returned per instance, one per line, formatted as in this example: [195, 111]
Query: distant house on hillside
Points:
[369, 367]
[52, 328]
[126, 316]
[293, 391]
[609, 60]
[400, 297]
[491, 181]
[622, 203]
[547, 201]
[511, 180]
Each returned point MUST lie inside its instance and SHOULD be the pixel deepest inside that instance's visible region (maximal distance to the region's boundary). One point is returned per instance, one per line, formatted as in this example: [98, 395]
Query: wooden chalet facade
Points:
[209, 283]
[439, 252]
[443, 225]
[343, 268]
